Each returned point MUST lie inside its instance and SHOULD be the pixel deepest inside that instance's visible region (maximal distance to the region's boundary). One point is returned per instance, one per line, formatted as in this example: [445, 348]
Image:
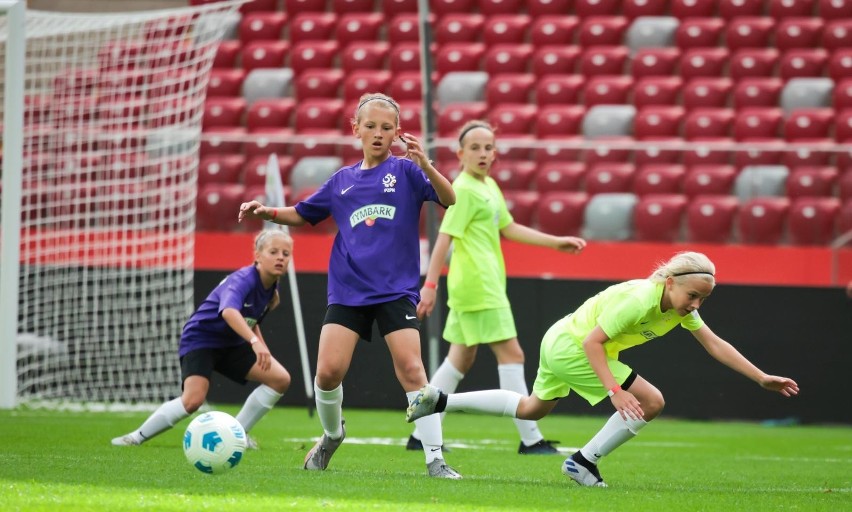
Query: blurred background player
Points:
[580, 353]
[374, 271]
[223, 335]
[480, 313]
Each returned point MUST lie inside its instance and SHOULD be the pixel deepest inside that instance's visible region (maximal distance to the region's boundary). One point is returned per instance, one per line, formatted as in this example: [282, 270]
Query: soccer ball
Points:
[214, 442]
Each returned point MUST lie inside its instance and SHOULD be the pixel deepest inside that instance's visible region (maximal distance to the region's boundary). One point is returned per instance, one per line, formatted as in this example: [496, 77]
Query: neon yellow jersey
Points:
[629, 313]
[477, 276]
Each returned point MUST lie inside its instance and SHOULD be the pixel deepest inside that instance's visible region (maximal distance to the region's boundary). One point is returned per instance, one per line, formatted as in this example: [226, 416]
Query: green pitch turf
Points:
[57, 461]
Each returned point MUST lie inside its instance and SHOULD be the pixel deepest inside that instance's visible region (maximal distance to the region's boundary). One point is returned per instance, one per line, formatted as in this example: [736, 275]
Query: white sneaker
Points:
[251, 444]
[125, 440]
[320, 454]
[581, 474]
[439, 469]
[424, 403]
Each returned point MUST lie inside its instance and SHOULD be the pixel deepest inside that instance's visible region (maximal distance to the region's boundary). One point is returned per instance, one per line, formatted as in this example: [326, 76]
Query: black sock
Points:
[579, 459]
[442, 402]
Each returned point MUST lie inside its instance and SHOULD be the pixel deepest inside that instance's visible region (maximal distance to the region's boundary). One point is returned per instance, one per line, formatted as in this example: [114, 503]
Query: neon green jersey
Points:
[477, 276]
[629, 313]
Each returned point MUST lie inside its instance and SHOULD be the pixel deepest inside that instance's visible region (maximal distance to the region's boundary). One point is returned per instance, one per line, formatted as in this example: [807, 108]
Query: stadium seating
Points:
[609, 217]
[565, 176]
[763, 220]
[658, 179]
[657, 217]
[710, 218]
[813, 220]
[561, 213]
[522, 205]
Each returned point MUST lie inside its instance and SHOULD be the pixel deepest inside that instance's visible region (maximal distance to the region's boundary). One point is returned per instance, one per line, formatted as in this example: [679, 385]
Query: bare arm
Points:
[442, 185]
[284, 215]
[235, 321]
[726, 354]
[520, 233]
[436, 263]
[625, 403]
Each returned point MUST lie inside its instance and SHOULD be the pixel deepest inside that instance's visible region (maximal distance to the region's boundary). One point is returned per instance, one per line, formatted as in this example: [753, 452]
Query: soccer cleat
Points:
[439, 469]
[586, 474]
[543, 447]
[415, 444]
[423, 404]
[251, 444]
[320, 454]
[125, 440]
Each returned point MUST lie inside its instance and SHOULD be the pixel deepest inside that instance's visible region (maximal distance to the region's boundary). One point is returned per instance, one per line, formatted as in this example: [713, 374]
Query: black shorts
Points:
[389, 316]
[232, 362]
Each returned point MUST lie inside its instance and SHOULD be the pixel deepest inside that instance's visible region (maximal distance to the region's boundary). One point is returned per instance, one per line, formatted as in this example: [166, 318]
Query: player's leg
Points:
[274, 382]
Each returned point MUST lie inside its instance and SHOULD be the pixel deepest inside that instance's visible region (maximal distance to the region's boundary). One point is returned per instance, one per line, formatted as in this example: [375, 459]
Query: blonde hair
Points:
[378, 100]
[685, 264]
[266, 235]
[472, 125]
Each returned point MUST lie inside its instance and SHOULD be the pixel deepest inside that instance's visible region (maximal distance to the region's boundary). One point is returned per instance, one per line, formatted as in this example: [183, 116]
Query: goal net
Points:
[112, 120]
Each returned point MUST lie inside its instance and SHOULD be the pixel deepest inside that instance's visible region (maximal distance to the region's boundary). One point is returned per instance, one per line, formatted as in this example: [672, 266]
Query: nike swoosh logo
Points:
[345, 190]
[247, 305]
[409, 317]
[434, 449]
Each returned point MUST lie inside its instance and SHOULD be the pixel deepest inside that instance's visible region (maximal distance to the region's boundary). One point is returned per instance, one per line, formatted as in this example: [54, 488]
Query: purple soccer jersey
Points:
[242, 290]
[376, 253]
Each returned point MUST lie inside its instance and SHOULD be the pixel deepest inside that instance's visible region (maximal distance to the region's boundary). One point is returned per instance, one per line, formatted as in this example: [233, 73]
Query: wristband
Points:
[253, 340]
[431, 285]
[274, 213]
[615, 389]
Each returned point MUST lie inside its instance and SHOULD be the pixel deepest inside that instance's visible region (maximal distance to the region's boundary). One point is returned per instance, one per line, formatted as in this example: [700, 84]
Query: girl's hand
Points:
[627, 405]
[783, 385]
[414, 150]
[254, 210]
[427, 302]
[264, 357]
[571, 244]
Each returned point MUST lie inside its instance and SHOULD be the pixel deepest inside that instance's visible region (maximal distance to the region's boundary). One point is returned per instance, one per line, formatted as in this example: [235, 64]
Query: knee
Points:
[280, 382]
[654, 406]
[192, 403]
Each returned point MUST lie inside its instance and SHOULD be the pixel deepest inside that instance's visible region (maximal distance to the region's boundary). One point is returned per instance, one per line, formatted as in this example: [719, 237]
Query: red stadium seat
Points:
[266, 26]
[225, 82]
[748, 62]
[227, 54]
[762, 220]
[757, 92]
[512, 119]
[444, 7]
[343, 7]
[406, 86]
[732, 9]
[709, 219]
[304, 5]
[404, 27]
[522, 205]
[264, 144]
[818, 153]
[559, 120]
[635, 8]
[313, 54]
[513, 174]
[216, 141]
[223, 112]
[749, 32]
[322, 114]
[658, 179]
[808, 124]
[312, 26]
[404, 57]
[454, 115]
[693, 8]
[220, 169]
[459, 57]
[607, 151]
[548, 7]
[697, 62]
[660, 62]
[837, 34]
[812, 182]
[657, 217]
[392, 7]
[707, 92]
[264, 54]
[843, 126]
[409, 117]
[604, 60]
[798, 33]
[519, 147]
[364, 55]
[844, 186]
[559, 149]
[757, 123]
[608, 90]
[659, 150]
[509, 88]
[365, 81]
[506, 28]
[706, 179]
[769, 153]
[358, 26]
[314, 144]
[606, 177]
[216, 205]
[254, 170]
[559, 176]
[840, 65]
[835, 9]
[813, 220]
[699, 32]
[561, 213]
[459, 28]
[585, 8]
[498, 7]
[318, 83]
[555, 60]
[705, 153]
[507, 58]
[558, 89]
[802, 62]
[547, 30]
[658, 121]
[702, 123]
[656, 90]
[779, 9]
[602, 31]
[259, 6]
[270, 113]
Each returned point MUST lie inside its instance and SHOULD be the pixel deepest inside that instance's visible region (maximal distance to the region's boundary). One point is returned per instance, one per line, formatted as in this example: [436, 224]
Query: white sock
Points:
[494, 402]
[330, 409]
[446, 378]
[258, 403]
[430, 430]
[161, 420]
[615, 432]
[512, 379]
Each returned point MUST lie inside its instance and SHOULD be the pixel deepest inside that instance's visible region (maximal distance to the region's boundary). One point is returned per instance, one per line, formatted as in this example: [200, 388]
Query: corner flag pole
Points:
[275, 198]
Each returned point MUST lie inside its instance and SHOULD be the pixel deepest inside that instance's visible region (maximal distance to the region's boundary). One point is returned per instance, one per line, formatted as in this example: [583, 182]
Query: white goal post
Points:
[101, 130]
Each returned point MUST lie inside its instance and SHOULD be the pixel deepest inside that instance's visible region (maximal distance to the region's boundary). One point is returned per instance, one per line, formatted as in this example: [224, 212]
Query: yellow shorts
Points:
[563, 366]
[477, 327]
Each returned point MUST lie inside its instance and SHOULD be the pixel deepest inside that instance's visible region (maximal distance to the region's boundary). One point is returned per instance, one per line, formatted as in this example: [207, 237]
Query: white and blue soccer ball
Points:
[214, 442]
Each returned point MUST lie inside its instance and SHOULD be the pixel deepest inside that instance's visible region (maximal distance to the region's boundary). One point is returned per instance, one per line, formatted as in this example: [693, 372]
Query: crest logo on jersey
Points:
[368, 214]
[649, 335]
[388, 182]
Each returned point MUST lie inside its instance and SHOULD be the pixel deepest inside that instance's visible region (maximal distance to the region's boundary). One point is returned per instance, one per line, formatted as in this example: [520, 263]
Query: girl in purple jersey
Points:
[374, 271]
[223, 335]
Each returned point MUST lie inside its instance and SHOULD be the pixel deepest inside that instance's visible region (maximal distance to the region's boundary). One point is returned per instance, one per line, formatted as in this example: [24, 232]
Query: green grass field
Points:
[63, 461]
